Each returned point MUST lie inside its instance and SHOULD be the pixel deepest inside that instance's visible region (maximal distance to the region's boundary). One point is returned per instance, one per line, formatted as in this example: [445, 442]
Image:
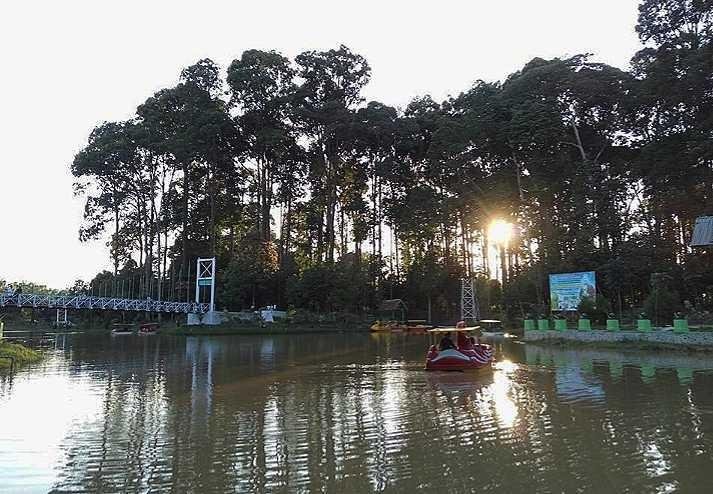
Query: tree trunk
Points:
[486, 255]
[503, 265]
[288, 228]
[211, 200]
[184, 235]
[464, 247]
[396, 252]
[430, 319]
[374, 216]
[116, 240]
[320, 235]
[380, 217]
[331, 213]
[343, 232]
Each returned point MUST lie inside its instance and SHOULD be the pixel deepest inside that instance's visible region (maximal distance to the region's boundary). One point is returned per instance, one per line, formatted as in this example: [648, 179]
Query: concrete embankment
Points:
[657, 338]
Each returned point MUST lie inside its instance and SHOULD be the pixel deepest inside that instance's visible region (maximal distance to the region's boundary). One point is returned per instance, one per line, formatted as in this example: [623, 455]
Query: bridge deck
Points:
[99, 303]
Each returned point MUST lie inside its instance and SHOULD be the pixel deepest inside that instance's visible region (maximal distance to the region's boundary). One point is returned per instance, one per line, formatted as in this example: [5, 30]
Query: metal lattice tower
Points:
[205, 276]
[205, 269]
[469, 309]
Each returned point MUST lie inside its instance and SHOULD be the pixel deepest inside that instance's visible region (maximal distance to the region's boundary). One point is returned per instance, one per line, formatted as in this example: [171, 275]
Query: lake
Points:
[351, 413]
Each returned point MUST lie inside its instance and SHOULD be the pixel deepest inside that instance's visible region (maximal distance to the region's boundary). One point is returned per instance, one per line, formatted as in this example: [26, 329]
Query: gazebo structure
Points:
[393, 306]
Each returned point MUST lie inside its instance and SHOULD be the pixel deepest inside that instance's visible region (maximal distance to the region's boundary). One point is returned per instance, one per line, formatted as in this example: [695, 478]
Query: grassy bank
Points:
[256, 329]
[22, 355]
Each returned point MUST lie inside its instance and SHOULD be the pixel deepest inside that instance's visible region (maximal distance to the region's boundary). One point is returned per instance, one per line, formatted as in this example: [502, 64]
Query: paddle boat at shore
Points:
[393, 319]
[464, 354]
[148, 328]
[491, 326]
[118, 329]
[399, 327]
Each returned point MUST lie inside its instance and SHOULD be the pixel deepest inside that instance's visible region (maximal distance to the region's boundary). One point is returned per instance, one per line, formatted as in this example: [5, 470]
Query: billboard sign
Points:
[567, 290]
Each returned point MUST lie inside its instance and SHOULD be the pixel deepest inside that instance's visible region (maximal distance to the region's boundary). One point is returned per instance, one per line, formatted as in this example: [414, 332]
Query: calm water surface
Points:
[351, 413]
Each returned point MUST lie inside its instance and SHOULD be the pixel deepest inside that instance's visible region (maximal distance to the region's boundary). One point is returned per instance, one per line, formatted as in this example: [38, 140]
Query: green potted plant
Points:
[560, 322]
[529, 322]
[680, 323]
[612, 322]
[643, 323]
[584, 324]
[543, 324]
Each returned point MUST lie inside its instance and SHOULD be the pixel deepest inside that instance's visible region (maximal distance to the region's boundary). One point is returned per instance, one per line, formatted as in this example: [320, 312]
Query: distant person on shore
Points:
[446, 342]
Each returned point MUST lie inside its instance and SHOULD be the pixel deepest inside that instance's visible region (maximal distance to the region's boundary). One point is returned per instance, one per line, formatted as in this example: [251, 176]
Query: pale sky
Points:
[68, 66]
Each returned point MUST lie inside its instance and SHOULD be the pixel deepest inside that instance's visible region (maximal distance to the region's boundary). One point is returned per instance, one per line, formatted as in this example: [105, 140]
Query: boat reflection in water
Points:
[351, 413]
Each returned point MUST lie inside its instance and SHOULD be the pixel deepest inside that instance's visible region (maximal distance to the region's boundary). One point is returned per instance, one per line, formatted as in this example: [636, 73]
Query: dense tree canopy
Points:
[312, 197]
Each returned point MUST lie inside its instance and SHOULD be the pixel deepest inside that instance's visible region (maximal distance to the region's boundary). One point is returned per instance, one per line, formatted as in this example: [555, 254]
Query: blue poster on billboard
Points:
[567, 290]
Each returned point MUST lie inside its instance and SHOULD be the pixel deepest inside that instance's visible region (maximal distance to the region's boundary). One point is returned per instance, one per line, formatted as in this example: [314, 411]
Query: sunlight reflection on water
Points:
[501, 393]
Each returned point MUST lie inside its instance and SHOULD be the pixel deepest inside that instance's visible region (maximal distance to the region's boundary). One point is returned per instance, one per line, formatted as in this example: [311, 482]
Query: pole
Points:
[198, 275]
[212, 286]
[172, 285]
[188, 281]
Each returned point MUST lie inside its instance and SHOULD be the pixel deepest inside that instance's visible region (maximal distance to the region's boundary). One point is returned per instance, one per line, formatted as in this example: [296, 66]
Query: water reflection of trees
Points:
[645, 432]
[349, 415]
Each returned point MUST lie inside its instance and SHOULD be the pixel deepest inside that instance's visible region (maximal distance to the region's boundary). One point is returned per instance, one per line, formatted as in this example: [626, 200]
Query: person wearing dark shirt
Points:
[446, 342]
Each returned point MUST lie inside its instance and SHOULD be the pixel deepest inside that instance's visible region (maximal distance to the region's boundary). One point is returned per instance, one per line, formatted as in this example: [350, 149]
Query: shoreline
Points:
[205, 330]
[268, 329]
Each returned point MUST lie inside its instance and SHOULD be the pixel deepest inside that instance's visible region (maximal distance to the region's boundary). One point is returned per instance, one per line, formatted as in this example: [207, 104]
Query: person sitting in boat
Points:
[464, 343]
[446, 342]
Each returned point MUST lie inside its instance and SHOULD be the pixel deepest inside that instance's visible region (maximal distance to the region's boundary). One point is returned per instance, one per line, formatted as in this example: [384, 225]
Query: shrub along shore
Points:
[20, 353]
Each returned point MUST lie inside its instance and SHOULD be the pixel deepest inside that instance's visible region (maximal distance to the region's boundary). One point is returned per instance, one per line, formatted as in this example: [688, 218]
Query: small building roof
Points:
[703, 232]
[392, 304]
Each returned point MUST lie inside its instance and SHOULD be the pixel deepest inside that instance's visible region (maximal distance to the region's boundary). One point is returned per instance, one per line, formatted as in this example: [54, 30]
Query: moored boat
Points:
[122, 329]
[148, 328]
[466, 354]
[393, 326]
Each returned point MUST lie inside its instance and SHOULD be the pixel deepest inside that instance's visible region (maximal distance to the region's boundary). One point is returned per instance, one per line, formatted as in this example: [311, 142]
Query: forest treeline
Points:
[311, 197]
